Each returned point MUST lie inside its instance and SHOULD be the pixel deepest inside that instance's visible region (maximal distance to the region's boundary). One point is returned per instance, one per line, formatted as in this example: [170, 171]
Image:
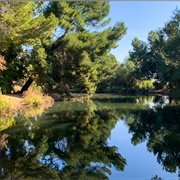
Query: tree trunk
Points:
[27, 85]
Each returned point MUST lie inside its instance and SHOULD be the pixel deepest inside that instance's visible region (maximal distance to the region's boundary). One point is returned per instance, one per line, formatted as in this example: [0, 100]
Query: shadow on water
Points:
[69, 141]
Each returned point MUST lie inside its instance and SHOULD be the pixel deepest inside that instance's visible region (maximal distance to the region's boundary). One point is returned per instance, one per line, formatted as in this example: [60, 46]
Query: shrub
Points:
[33, 97]
[144, 84]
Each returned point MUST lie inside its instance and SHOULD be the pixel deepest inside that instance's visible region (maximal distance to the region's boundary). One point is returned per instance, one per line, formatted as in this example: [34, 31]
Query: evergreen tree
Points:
[159, 58]
[21, 25]
[78, 53]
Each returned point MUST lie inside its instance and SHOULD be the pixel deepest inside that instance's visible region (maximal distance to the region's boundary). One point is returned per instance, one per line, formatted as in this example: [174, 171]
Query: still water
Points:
[111, 137]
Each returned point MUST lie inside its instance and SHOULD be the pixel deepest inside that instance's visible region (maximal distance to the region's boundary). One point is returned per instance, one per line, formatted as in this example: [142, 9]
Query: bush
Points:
[144, 84]
[33, 97]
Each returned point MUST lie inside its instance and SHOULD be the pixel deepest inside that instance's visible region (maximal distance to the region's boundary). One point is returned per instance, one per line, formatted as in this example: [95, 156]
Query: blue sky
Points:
[140, 17]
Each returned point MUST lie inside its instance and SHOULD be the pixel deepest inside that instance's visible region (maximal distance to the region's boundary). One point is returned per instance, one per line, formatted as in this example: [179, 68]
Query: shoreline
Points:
[16, 102]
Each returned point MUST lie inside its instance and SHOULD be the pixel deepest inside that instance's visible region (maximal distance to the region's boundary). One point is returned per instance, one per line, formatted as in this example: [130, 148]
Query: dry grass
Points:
[33, 97]
[6, 105]
[37, 98]
[11, 103]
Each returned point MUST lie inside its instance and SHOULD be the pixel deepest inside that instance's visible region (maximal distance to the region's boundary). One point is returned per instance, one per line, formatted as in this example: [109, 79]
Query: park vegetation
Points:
[65, 47]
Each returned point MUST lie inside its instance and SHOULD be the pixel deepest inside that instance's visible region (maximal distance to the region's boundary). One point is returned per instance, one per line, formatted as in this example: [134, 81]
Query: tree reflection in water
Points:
[69, 141]
[63, 143]
[160, 128]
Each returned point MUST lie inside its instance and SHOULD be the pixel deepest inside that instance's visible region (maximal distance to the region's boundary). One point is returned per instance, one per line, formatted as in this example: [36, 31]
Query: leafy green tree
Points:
[68, 59]
[21, 25]
[159, 58]
[143, 64]
[171, 37]
[78, 16]
[107, 70]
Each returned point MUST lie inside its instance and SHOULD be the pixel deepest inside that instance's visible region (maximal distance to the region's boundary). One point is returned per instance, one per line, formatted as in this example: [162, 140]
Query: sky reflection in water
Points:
[141, 164]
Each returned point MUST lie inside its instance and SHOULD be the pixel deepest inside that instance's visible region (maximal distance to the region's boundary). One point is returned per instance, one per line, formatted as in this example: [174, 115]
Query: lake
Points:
[110, 137]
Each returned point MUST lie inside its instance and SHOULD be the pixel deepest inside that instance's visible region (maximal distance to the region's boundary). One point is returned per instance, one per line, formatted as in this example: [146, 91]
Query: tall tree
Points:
[21, 24]
[78, 50]
[159, 58]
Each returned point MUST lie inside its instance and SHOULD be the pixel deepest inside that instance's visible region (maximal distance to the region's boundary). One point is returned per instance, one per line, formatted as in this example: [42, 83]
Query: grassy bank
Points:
[11, 103]
[6, 105]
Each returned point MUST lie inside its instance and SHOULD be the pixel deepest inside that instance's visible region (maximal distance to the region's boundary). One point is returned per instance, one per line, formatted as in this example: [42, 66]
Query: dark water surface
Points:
[111, 137]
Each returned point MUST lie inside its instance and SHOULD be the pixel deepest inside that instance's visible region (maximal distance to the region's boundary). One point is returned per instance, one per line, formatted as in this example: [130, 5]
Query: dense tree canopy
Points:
[66, 47]
[21, 25]
[68, 58]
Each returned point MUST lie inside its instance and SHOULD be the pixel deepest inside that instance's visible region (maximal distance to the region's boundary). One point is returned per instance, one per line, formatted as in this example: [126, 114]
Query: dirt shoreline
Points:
[160, 91]
[16, 102]
[17, 99]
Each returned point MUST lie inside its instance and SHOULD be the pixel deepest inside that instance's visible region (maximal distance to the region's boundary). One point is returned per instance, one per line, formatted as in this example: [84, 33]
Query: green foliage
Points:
[78, 52]
[144, 84]
[72, 60]
[59, 46]
[21, 25]
[159, 58]
[75, 16]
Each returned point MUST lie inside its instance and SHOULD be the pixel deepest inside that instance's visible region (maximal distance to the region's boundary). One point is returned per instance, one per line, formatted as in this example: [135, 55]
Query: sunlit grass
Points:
[6, 106]
[33, 102]
[35, 98]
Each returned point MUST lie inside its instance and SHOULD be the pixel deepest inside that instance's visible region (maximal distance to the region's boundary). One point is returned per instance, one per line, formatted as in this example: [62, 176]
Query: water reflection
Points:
[69, 141]
[160, 128]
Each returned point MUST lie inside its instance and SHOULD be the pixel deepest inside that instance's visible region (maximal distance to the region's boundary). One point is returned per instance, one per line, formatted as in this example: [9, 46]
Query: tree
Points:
[140, 56]
[159, 58]
[71, 59]
[78, 51]
[21, 25]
